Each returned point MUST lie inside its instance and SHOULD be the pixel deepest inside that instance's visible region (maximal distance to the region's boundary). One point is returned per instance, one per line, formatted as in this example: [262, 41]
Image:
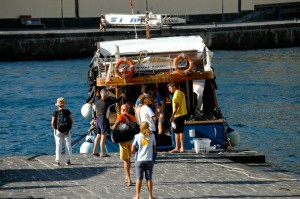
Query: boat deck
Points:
[183, 175]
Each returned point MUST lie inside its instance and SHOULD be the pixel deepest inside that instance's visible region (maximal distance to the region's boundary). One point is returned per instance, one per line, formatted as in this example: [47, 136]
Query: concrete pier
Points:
[36, 44]
[183, 175]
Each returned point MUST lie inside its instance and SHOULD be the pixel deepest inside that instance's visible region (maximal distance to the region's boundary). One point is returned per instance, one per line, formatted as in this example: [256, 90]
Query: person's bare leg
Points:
[160, 128]
[138, 189]
[97, 139]
[181, 142]
[127, 171]
[102, 143]
[150, 187]
[177, 142]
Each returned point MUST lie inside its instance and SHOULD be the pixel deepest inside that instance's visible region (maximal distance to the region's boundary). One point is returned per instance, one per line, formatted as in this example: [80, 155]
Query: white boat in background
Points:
[155, 20]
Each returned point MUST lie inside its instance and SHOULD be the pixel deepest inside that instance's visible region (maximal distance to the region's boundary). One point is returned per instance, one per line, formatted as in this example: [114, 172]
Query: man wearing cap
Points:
[101, 114]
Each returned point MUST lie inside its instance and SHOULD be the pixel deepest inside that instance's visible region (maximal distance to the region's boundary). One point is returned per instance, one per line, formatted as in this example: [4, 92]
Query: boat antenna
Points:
[131, 6]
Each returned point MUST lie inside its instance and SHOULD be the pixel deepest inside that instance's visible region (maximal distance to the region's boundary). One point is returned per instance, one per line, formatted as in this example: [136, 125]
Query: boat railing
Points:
[147, 63]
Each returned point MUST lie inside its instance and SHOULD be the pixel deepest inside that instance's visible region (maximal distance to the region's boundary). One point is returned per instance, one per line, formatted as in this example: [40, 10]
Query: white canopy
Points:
[153, 45]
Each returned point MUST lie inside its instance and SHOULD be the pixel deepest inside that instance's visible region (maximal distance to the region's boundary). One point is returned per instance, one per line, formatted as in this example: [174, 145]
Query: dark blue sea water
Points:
[258, 92]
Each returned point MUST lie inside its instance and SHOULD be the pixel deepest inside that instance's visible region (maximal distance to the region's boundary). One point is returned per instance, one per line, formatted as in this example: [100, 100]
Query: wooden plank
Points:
[159, 78]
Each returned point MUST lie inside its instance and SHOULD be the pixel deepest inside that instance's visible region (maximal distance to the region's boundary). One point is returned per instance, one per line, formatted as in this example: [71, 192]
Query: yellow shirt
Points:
[179, 98]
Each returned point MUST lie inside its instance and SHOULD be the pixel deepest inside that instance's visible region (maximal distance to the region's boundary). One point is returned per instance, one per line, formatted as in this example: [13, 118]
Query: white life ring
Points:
[178, 59]
[127, 73]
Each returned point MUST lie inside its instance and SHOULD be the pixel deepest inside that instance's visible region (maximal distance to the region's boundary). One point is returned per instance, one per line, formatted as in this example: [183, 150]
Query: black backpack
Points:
[63, 123]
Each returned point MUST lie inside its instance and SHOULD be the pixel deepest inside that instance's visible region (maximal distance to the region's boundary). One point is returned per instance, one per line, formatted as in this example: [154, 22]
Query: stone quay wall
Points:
[79, 43]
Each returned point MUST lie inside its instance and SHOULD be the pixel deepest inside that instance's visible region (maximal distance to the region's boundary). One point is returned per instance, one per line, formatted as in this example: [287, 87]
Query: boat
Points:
[155, 20]
[126, 65]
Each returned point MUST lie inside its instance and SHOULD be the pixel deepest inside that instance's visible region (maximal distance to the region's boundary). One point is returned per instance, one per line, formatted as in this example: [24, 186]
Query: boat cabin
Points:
[124, 66]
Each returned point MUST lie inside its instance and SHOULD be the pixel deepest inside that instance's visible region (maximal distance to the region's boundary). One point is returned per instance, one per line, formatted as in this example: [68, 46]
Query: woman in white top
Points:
[144, 146]
[147, 115]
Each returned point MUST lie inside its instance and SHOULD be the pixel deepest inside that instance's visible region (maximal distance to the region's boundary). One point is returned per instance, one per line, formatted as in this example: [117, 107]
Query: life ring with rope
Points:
[181, 57]
[123, 73]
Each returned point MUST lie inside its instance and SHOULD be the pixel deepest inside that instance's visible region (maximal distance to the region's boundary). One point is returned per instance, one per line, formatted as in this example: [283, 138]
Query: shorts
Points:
[179, 122]
[144, 167]
[102, 125]
[125, 150]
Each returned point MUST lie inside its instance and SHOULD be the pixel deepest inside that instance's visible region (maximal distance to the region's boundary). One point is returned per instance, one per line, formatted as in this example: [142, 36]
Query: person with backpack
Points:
[62, 123]
[125, 147]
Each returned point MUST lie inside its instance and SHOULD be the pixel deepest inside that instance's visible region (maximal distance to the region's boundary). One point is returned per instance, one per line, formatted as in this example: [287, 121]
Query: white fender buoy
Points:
[86, 111]
[87, 146]
[234, 138]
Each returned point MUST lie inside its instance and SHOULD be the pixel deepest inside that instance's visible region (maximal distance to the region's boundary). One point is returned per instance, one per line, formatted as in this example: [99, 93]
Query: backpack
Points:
[126, 133]
[133, 126]
[63, 123]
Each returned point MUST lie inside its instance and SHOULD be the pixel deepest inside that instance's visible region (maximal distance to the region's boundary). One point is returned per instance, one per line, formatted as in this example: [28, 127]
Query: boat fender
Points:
[86, 110]
[180, 58]
[87, 146]
[234, 138]
[122, 72]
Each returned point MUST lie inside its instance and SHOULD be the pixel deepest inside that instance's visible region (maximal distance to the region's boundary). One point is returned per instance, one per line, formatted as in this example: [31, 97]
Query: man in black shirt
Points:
[102, 123]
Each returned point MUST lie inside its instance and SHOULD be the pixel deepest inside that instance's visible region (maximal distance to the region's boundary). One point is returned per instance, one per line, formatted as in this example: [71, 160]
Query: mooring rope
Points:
[92, 128]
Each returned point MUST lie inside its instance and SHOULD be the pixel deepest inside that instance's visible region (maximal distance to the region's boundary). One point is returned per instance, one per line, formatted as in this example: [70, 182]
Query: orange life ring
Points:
[178, 59]
[126, 74]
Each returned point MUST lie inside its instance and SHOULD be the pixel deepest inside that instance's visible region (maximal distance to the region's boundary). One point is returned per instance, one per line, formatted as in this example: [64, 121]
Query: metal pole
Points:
[239, 7]
[77, 12]
[62, 13]
[222, 11]
[76, 9]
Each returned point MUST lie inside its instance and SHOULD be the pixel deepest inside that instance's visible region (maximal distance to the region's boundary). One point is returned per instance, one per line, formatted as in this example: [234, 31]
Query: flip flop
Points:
[104, 155]
[96, 154]
[174, 151]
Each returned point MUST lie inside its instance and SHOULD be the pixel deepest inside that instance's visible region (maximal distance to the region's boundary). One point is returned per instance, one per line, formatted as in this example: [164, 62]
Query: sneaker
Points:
[56, 164]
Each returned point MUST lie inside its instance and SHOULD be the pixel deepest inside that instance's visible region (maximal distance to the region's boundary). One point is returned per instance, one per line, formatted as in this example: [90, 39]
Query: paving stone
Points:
[184, 175]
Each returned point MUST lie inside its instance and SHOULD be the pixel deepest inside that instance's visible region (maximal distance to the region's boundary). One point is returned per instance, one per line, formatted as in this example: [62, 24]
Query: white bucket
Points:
[202, 145]
[192, 133]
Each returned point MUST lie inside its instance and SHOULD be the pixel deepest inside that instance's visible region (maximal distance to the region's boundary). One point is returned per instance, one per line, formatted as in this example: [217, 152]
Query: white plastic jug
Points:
[192, 133]
[197, 145]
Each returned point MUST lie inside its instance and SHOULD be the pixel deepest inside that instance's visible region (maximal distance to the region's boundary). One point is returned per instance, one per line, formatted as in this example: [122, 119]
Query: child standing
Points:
[144, 146]
[62, 123]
